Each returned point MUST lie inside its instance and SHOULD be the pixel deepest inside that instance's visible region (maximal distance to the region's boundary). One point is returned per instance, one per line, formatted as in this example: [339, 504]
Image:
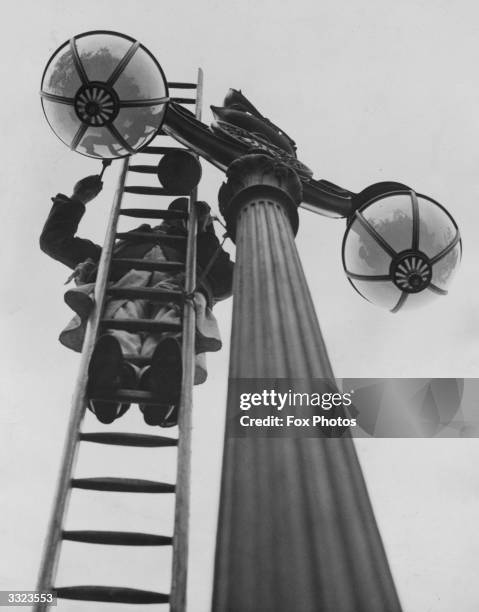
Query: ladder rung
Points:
[147, 293]
[111, 594]
[117, 538]
[148, 213]
[137, 360]
[145, 264]
[124, 485]
[152, 237]
[143, 169]
[160, 150]
[178, 85]
[142, 190]
[128, 439]
[139, 325]
[184, 100]
[132, 396]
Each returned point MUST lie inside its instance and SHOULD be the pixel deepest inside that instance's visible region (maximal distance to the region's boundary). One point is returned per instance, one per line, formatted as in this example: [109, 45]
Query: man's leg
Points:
[108, 371]
[163, 376]
[163, 379]
[130, 342]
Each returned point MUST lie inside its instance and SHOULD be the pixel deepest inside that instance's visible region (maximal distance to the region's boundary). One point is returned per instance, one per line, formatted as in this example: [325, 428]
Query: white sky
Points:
[370, 91]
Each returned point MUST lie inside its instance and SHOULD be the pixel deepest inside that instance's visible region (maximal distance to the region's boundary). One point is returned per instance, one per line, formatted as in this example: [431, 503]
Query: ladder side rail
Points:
[53, 539]
[182, 502]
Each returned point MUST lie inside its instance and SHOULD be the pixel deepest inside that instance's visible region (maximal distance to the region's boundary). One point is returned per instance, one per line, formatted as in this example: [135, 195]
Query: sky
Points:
[370, 91]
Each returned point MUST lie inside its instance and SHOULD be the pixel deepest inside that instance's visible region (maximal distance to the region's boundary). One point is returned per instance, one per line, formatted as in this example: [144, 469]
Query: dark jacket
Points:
[58, 240]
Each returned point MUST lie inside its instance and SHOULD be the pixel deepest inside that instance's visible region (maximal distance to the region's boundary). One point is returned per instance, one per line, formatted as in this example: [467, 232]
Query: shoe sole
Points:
[166, 371]
[104, 375]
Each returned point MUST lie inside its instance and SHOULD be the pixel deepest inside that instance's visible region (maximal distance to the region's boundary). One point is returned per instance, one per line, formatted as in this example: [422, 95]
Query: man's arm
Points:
[220, 274]
[58, 238]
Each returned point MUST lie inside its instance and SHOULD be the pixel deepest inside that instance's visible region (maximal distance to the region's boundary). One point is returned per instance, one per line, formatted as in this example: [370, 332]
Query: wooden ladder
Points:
[98, 323]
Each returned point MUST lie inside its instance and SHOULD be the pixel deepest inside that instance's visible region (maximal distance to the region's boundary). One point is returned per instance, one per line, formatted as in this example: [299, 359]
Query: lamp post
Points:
[296, 530]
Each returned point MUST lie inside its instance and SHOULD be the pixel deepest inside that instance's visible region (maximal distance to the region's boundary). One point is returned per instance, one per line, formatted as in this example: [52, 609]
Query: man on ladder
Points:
[108, 370]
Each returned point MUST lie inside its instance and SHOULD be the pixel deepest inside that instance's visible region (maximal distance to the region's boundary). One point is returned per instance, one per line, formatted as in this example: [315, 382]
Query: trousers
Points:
[143, 344]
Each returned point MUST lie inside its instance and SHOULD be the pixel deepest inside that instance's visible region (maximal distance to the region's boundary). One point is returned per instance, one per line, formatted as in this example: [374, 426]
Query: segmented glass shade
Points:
[401, 250]
[104, 94]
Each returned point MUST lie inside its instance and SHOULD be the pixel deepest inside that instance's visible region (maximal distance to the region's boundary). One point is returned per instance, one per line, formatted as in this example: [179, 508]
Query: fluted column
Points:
[296, 531]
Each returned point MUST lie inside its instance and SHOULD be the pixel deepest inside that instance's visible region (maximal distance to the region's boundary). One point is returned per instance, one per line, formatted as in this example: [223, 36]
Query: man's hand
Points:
[204, 217]
[87, 188]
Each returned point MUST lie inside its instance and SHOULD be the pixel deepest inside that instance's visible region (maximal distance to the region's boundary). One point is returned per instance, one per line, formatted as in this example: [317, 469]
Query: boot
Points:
[107, 373]
[163, 379]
